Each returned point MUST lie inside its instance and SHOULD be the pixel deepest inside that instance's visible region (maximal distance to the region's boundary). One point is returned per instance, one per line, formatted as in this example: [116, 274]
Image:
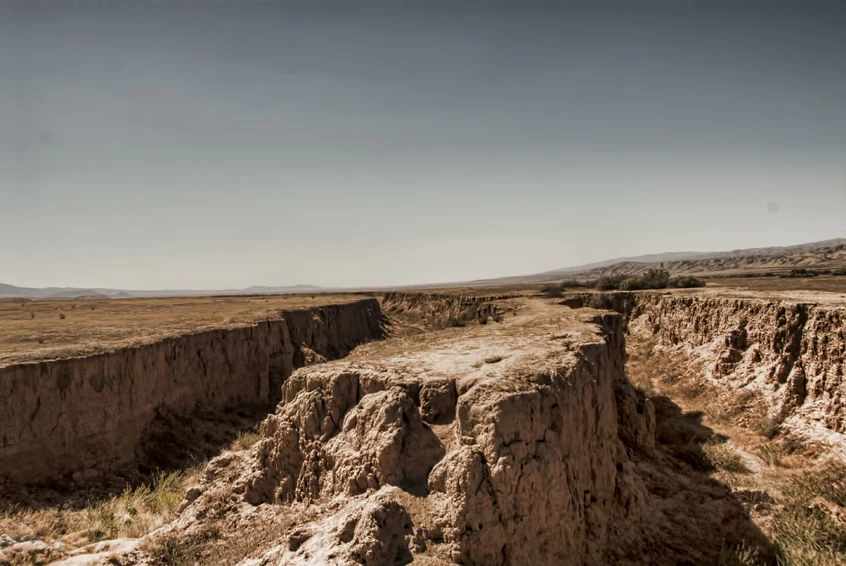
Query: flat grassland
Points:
[36, 330]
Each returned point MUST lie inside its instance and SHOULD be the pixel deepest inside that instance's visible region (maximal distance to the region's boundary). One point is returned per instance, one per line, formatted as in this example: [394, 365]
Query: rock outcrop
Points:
[96, 413]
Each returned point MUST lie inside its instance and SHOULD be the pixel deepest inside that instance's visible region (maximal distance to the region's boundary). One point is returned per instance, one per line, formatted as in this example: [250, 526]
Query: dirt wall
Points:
[84, 413]
[790, 355]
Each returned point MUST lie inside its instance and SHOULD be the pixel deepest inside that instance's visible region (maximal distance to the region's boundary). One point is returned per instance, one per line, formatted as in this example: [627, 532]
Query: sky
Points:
[213, 144]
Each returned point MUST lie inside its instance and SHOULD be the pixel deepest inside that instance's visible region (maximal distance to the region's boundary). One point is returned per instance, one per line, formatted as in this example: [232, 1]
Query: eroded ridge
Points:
[512, 443]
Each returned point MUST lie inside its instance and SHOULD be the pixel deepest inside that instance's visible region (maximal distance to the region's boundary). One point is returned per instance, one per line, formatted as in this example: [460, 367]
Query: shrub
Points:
[553, 291]
[609, 282]
[800, 272]
[685, 282]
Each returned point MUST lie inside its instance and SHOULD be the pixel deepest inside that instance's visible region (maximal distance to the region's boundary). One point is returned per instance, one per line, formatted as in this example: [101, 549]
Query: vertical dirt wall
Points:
[75, 414]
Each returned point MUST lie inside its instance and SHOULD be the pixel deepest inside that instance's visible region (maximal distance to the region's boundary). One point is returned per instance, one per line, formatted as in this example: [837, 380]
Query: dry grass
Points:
[738, 555]
[724, 458]
[770, 453]
[245, 440]
[133, 513]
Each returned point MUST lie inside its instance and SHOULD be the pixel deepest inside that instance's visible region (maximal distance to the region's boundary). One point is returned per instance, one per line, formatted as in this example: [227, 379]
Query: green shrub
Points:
[609, 282]
[685, 282]
[553, 291]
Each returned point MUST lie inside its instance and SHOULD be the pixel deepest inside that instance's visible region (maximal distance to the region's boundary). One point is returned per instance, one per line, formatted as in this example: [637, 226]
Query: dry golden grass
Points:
[133, 513]
[38, 330]
[245, 440]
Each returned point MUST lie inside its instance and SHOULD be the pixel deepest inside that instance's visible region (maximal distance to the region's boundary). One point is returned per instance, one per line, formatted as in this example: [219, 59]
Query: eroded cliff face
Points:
[512, 443]
[69, 415]
[436, 310]
[790, 354]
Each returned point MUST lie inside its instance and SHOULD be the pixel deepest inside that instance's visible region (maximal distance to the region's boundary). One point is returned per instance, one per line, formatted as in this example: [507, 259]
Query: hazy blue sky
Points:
[220, 144]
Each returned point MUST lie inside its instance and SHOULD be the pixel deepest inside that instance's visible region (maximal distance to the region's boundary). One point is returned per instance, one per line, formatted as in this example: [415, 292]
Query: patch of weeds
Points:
[168, 549]
[770, 453]
[828, 482]
[806, 536]
[246, 439]
[102, 523]
[738, 555]
[691, 389]
[138, 509]
[767, 427]
[803, 529]
[723, 457]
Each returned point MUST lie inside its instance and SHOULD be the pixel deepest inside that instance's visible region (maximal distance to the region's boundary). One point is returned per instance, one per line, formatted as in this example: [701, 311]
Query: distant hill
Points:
[742, 263]
[678, 257]
[826, 254]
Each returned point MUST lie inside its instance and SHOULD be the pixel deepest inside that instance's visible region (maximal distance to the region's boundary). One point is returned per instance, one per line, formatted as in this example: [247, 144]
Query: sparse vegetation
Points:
[685, 282]
[799, 272]
[652, 279]
[723, 457]
[246, 439]
[553, 291]
[134, 512]
[137, 510]
[738, 555]
[770, 453]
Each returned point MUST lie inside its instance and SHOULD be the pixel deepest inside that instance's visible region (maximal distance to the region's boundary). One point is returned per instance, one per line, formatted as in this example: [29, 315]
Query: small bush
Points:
[685, 282]
[553, 291]
[62, 315]
[800, 272]
[609, 282]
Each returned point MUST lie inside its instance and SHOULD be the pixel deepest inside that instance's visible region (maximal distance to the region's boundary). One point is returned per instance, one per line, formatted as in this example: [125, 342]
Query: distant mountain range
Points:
[826, 254]
[11, 291]
[817, 255]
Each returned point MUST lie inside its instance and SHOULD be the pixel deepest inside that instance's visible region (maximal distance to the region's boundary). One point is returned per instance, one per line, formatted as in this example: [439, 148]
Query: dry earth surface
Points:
[504, 430]
[35, 330]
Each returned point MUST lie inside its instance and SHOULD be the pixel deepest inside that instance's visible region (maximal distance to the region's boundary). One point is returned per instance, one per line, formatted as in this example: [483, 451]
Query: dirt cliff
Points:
[788, 356]
[507, 443]
[99, 412]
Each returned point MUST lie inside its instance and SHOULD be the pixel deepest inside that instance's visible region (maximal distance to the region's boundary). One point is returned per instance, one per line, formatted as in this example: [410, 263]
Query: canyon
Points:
[498, 428]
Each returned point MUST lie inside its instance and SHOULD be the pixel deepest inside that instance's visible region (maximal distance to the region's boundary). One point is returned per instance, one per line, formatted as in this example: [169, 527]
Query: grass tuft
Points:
[246, 439]
[724, 458]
